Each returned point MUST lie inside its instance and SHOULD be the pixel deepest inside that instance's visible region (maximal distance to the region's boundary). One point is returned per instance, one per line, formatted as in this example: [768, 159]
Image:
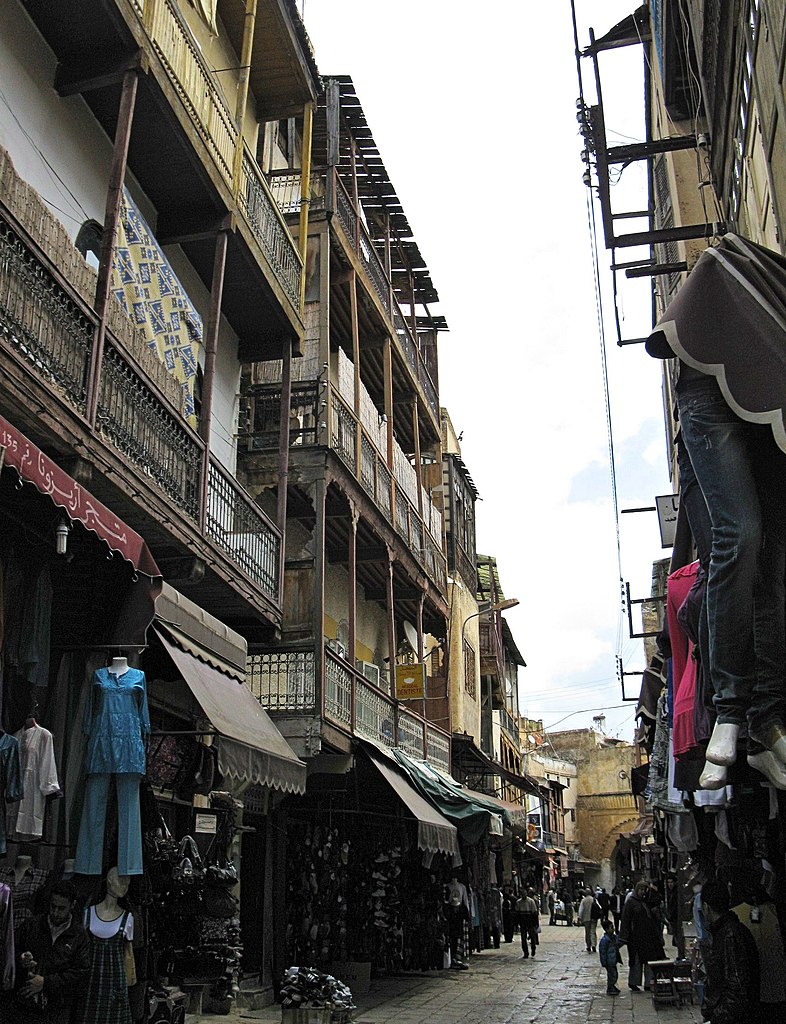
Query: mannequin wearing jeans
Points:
[116, 722]
[742, 475]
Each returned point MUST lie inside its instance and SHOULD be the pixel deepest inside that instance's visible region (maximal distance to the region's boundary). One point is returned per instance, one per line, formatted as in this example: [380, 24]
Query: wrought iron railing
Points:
[345, 211]
[270, 229]
[285, 186]
[303, 416]
[411, 733]
[343, 431]
[438, 749]
[192, 77]
[339, 680]
[240, 527]
[283, 680]
[41, 322]
[508, 723]
[132, 417]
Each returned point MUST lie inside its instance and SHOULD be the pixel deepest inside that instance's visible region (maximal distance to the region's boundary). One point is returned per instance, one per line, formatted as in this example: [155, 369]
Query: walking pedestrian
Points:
[609, 953]
[643, 935]
[589, 915]
[551, 899]
[617, 899]
[508, 913]
[529, 921]
[604, 902]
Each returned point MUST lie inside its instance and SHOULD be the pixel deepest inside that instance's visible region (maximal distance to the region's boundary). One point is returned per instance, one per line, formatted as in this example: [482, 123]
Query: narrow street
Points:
[562, 985]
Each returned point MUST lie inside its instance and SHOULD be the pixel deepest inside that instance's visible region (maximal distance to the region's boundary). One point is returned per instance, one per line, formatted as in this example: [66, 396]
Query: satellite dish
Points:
[412, 635]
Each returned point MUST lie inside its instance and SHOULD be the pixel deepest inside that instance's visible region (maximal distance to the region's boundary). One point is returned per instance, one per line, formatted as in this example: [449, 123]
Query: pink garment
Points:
[682, 662]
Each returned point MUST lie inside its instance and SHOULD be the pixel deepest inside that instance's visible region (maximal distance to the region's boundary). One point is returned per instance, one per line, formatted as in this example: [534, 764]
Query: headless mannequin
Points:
[22, 865]
[119, 666]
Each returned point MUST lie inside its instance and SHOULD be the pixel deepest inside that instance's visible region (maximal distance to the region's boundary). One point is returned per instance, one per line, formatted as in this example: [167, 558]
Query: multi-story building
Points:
[144, 261]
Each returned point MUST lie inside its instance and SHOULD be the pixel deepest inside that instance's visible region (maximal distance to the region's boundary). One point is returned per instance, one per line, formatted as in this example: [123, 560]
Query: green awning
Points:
[472, 813]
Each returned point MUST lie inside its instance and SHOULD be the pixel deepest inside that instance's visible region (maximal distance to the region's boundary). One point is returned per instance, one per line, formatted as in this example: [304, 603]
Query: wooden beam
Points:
[84, 76]
[176, 227]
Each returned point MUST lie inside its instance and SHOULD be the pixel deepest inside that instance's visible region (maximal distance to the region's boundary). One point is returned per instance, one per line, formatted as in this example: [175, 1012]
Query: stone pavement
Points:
[562, 985]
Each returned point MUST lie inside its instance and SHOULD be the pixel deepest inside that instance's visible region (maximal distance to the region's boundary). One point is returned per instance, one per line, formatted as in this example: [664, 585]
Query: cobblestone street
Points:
[562, 985]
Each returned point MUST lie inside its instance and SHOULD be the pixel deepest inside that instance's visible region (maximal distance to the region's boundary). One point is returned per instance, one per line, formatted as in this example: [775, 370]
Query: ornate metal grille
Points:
[40, 322]
[402, 515]
[342, 439]
[374, 716]
[269, 230]
[368, 458]
[242, 530]
[410, 733]
[303, 417]
[135, 420]
[438, 749]
[283, 680]
[368, 255]
[384, 478]
[338, 691]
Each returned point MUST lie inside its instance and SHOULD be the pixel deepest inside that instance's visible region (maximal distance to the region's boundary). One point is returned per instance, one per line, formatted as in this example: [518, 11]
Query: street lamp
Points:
[499, 606]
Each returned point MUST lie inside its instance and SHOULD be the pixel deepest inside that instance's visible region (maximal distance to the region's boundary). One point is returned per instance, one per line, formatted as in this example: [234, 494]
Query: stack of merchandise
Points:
[303, 988]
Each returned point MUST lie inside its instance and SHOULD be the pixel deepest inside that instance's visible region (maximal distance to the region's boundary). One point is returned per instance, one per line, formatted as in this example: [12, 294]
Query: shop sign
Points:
[411, 681]
[206, 824]
[668, 505]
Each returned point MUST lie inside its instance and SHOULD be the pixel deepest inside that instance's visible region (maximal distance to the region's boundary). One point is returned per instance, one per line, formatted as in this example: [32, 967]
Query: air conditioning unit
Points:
[337, 647]
[370, 671]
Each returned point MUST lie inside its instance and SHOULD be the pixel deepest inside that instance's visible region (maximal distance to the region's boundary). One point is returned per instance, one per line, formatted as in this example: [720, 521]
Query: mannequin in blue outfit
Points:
[116, 724]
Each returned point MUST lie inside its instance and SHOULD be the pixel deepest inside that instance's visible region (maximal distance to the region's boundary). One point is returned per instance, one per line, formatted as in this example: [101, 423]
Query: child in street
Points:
[609, 953]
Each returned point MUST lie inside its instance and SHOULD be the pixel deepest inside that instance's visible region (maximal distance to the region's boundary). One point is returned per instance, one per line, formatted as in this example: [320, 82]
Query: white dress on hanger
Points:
[39, 774]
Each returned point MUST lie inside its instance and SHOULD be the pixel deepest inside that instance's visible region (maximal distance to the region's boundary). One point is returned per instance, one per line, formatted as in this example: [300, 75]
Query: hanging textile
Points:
[148, 290]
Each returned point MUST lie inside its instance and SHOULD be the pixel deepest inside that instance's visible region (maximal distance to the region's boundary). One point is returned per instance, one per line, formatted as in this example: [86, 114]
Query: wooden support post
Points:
[318, 617]
[353, 309]
[418, 463]
[305, 197]
[242, 89]
[284, 442]
[391, 615]
[353, 586]
[355, 194]
[387, 356]
[212, 328]
[332, 117]
[114, 196]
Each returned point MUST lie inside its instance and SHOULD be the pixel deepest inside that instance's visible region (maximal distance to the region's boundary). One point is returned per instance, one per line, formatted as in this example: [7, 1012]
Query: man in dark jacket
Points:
[731, 993]
[52, 962]
[643, 936]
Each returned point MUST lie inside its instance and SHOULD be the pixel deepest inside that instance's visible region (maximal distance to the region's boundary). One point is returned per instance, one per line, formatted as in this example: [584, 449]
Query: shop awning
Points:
[202, 634]
[467, 755]
[472, 813]
[250, 748]
[79, 505]
[517, 813]
[435, 832]
[729, 320]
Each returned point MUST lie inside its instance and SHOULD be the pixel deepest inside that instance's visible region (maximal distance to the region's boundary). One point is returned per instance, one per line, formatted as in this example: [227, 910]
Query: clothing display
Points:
[27, 891]
[116, 722]
[679, 586]
[11, 786]
[39, 772]
[7, 949]
[105, 996]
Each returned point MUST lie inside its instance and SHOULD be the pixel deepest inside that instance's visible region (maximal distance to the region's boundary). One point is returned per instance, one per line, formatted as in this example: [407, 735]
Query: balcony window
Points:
[470, 680]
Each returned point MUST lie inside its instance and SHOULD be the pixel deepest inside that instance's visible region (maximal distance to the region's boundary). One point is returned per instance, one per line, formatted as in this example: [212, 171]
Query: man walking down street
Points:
[731, 994]
[529, 920]
[589, 915]
[643, 935]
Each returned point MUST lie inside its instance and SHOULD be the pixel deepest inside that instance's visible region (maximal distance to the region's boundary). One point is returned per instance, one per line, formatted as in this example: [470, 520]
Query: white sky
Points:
[473, 110]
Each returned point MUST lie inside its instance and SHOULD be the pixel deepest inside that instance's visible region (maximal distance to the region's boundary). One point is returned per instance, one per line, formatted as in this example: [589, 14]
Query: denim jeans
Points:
[742, 475]
[611, 978]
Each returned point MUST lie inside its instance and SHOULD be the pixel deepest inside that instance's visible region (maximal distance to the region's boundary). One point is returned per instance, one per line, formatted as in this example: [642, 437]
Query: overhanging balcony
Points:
[149, 465]
[285, 682]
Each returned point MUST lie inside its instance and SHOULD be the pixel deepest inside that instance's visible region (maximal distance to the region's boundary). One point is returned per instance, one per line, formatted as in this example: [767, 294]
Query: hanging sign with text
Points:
[411, 682]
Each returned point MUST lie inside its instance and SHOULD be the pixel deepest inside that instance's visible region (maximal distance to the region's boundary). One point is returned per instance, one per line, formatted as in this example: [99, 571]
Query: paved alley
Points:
[562, 985]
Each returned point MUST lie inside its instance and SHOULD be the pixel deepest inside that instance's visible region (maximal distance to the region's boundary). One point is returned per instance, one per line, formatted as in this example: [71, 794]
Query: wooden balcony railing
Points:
[285, 682]
[269, 228]
[361, 243]
[51, 331]
[508, 724]
[197, 85]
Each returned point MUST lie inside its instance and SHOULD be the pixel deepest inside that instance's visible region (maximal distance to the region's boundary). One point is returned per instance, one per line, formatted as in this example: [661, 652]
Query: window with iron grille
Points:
[470, 682]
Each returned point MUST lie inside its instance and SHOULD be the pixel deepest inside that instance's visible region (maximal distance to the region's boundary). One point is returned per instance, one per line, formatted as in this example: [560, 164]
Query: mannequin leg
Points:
[90, 848]
[129, 825]
[719, 444]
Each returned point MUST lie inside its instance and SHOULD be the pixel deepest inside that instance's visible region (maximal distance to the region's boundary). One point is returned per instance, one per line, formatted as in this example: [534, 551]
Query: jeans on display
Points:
[741, 473]
[90, 848]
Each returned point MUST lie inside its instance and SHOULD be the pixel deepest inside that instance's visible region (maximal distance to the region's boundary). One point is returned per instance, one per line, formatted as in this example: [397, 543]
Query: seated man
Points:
[52, 963]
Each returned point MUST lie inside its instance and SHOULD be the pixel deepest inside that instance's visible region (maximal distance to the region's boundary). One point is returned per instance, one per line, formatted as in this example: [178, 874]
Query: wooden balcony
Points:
[186, 152]
[154, 470]
[286, 683]
[344, 434]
